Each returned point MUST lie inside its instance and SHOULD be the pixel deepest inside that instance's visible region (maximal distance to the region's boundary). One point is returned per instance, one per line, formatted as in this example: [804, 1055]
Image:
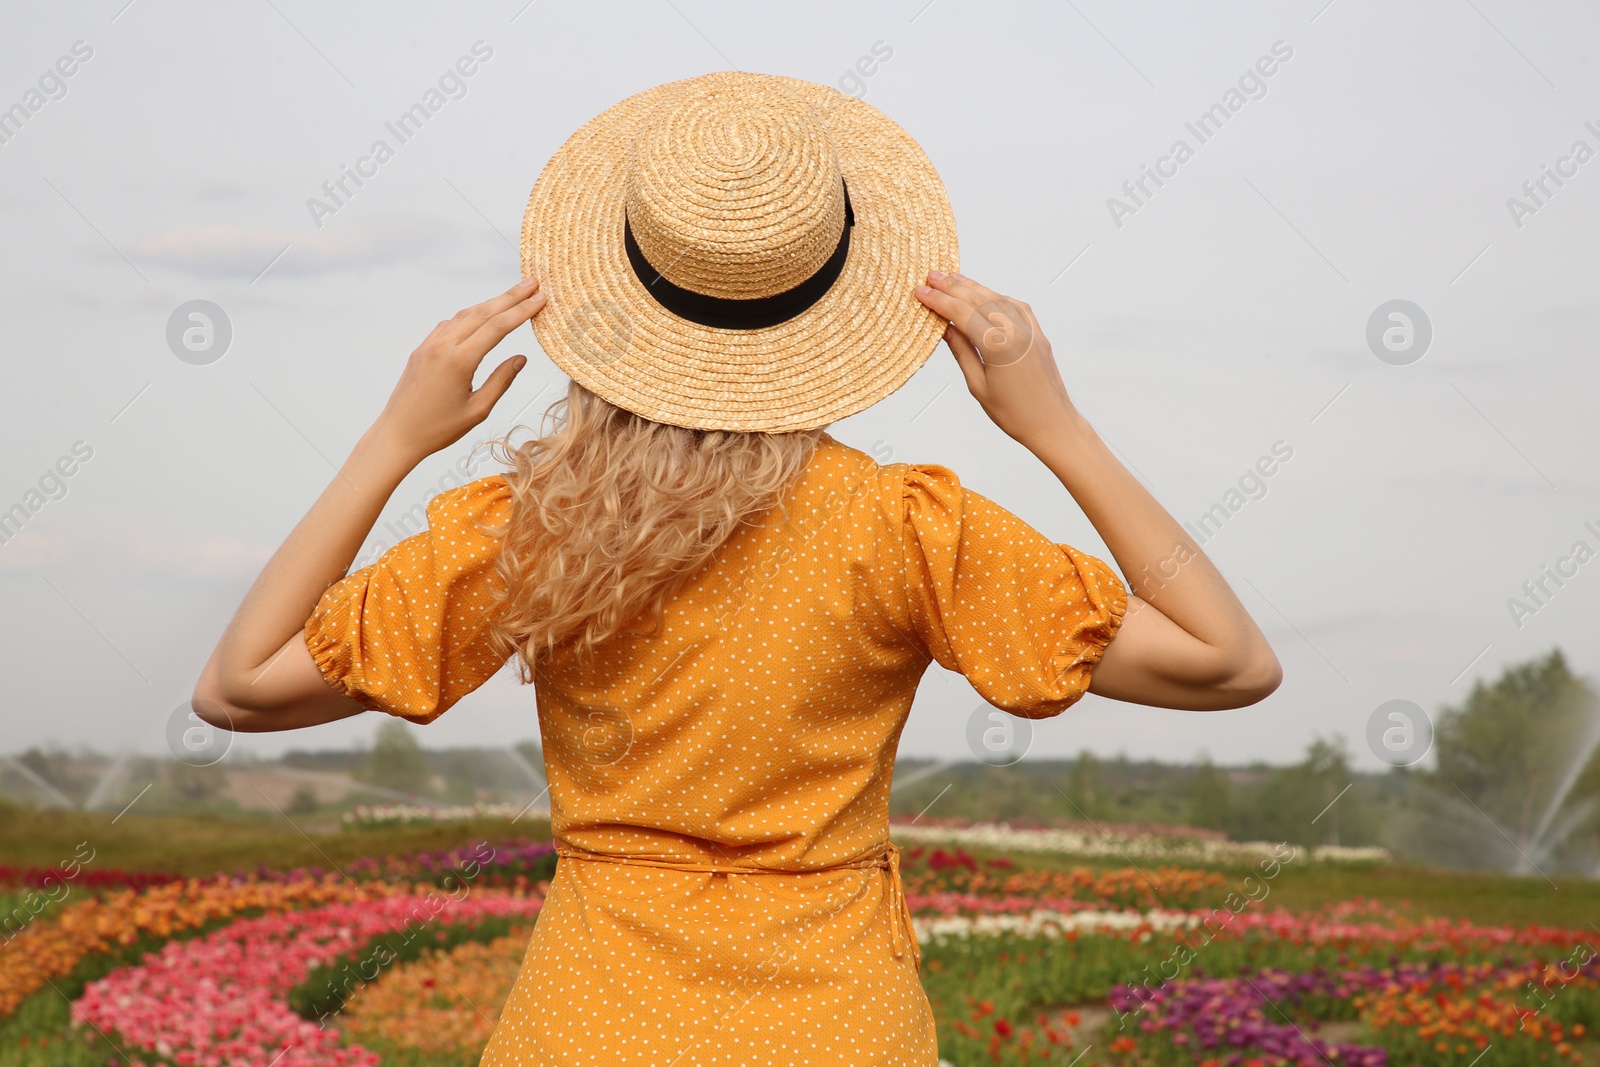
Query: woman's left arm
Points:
[261, 675]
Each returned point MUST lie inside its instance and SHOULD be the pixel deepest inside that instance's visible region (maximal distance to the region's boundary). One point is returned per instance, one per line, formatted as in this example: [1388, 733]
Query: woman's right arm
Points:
[1186, 641]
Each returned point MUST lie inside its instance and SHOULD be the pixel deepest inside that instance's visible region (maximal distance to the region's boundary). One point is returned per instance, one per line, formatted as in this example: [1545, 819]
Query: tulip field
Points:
[384, 954]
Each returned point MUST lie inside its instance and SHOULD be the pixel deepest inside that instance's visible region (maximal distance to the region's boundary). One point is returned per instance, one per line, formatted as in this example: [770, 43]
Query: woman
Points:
[726, 611]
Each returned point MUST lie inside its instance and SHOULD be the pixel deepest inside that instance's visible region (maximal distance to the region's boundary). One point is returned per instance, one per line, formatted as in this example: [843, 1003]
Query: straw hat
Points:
[737, 252]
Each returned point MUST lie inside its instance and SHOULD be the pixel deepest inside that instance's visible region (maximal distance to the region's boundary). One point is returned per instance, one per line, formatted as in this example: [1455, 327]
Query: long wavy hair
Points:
[611, 513]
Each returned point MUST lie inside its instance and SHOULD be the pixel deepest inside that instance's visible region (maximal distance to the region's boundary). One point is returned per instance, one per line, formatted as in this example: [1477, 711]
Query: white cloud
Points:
[244, 251]
[150, 552]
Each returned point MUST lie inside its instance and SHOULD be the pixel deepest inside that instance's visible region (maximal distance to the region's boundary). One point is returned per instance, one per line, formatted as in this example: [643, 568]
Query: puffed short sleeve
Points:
[1023, 618]
[409, 634]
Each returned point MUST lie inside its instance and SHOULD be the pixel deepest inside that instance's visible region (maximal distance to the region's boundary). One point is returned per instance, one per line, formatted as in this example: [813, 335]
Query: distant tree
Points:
[1210, 797]
[396, 760]
[1522, 748]
[194, 785]
[304, 801]
[37, 762]
[1307, 803]
[1329, 783]
[57, 768]
[1084, 789]
[466, 775]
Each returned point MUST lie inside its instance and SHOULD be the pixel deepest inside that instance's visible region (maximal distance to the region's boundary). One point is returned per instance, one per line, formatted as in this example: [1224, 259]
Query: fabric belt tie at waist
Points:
[904, 933]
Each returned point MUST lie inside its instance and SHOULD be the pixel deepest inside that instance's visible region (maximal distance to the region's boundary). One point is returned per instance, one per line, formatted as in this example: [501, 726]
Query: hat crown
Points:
[734, 188]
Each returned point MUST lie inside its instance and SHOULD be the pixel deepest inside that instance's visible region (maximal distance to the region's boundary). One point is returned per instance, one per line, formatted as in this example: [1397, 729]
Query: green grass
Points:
[202, 845]
[197, 845]
[1490, 899]
[39, 1034]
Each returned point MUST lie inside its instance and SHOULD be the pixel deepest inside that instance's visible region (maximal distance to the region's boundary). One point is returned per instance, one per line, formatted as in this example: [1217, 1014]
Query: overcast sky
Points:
[1201, 323]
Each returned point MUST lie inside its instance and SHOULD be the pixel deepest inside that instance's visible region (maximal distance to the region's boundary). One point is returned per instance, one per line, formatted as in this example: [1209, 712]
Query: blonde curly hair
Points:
[611, 513]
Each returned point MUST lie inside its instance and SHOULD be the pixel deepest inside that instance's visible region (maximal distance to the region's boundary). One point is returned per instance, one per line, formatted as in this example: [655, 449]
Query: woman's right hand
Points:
[1003, 354]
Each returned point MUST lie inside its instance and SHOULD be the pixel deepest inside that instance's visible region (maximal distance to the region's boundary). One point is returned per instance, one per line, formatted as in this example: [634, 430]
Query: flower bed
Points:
[1250, 1016]
[442, 1006]
[1168, 978]
[404, 814]
[326, 988]
[1449, 1015]
[99, 932]
[1120, 829]
[1022, 966]
[515, 863]
[1106, 843]
[1054, 924]
[936, 875]
[86, 878]
[221, 999]
[1436, 1013]
[483, 864]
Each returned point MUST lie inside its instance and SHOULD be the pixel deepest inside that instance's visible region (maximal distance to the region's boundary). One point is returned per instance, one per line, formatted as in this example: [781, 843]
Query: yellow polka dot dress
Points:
[719, 786]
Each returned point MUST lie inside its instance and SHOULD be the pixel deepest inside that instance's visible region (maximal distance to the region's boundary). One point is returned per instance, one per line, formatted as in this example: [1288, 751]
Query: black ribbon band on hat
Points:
[724, 313]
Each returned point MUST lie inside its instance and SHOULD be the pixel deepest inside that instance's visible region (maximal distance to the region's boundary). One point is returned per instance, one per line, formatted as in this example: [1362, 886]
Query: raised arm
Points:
[1186, 641]
[261, 675]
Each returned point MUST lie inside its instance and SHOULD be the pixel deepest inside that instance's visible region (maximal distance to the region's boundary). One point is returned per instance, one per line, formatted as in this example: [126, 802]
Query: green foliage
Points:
[194, 784]
[1313, 802]
[1036, 791]
[1259, 803]
[39, 1034]
[465, 780]
[304, 801]
[397, 761]
[1210, 796]
[1510, 744]
[1084, 791]
[59, 769]
[396, 1056]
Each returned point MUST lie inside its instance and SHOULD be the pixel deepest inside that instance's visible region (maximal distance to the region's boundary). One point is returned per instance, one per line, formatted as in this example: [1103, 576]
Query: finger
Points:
[972, 292]
[469, 319]
[988, 304]
[967, 358]
[487, 395]
[492, 330]
[947, 307]
[1014, 320]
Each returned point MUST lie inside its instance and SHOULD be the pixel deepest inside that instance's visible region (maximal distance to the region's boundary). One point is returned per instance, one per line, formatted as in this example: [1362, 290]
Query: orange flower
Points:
[53, 946]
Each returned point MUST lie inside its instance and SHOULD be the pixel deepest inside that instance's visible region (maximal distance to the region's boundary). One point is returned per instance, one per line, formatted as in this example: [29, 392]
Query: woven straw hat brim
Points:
[857, 344]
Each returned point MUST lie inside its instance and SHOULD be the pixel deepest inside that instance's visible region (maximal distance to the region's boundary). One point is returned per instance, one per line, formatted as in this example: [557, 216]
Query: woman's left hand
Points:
[434, 405]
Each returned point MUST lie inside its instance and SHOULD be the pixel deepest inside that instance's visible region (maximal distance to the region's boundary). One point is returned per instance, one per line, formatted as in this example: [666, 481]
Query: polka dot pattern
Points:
[719, 783]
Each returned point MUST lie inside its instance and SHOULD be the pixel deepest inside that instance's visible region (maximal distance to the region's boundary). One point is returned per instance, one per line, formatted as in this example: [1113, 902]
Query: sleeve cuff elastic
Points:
[327, 639]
